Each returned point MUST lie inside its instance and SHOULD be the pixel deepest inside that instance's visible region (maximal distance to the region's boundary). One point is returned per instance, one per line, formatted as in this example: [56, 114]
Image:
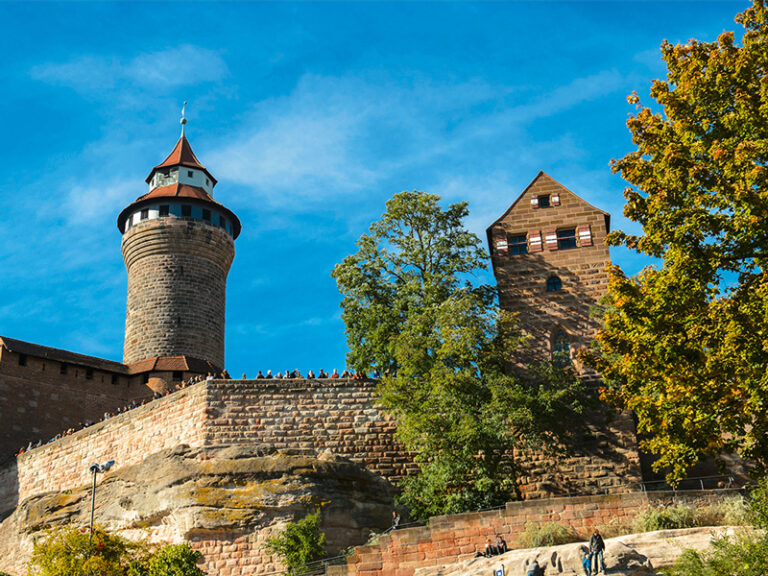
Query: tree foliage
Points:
[685, 343]
[69, 551]
[299, 543]
[413, 312]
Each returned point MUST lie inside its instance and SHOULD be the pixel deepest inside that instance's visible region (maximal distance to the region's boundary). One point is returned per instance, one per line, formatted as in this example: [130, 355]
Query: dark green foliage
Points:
[299, 543]
[175, 560]
[413, 312]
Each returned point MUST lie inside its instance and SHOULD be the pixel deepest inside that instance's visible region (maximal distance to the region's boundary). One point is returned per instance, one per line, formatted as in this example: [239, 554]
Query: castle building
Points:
[550, 262]
[178, 246]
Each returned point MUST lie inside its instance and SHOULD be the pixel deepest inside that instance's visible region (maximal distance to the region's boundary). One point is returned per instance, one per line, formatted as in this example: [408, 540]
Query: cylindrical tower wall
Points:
[177, 277]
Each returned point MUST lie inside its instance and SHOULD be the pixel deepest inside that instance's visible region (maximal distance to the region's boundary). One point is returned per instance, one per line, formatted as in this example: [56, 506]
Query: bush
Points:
[299, 543]
[650, 519]
[758, 504]
[743, 555]
[68, 551]
[549, 534]
[730, 512]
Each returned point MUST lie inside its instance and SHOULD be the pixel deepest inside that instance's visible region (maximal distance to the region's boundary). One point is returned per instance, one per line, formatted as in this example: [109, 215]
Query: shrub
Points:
[299, 543]
[549, 534]
[175, 560]
[745, 554]
[758, 504]
[730, 512]
[650, 519]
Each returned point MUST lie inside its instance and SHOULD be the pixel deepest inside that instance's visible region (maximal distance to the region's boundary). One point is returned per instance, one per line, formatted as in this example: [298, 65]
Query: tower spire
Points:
[183, 120]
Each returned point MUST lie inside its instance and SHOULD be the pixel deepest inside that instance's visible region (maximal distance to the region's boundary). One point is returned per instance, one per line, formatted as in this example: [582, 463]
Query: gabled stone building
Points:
[549, 258]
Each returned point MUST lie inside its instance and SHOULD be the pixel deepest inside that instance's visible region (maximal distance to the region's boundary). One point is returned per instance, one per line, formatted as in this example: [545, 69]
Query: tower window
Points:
[190, 173]
[222, 222]
[115, 379]
[517, 244]
[566, 238]
[165, 210]
[206, 214]
[554, 284]
[22, 359]
[544, 201]
[145, 214]
[186, 210]
[146, 378]
[89, 373]
[207, 182]
[63, 368]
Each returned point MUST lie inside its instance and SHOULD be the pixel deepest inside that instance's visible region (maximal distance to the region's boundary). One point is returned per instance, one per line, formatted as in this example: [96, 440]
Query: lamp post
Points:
[95, 469]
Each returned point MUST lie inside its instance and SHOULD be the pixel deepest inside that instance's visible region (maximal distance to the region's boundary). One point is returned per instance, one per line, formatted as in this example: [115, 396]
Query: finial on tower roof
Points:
[183, 120]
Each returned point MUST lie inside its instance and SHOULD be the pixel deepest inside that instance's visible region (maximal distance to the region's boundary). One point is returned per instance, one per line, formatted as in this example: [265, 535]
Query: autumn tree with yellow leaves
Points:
[685, 343]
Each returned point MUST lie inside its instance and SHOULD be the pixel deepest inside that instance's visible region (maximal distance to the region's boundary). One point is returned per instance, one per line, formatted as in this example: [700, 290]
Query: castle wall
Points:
[127, 439]
[177, 277]
[37, 401]
[310, 416]
[449, 539]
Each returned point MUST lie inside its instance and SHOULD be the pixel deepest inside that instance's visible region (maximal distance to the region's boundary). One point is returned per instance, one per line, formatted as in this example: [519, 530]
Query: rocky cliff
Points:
[225, 502]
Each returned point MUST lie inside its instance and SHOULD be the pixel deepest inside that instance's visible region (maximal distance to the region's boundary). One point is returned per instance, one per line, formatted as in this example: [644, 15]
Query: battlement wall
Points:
[311, 416]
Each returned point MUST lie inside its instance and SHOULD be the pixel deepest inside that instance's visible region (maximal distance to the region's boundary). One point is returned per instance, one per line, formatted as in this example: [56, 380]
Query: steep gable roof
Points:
[181, 155]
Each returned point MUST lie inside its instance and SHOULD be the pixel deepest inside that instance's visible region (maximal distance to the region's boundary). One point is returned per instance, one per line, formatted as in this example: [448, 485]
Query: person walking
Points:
[596, 548]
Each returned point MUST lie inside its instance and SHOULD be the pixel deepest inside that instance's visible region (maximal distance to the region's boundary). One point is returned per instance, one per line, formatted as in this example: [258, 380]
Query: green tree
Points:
[413, 312]
[175, 560]
[299, 543]
[684, 342]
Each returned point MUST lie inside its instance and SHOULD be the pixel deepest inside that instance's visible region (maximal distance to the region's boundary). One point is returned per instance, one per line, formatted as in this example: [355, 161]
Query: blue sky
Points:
[310, 115]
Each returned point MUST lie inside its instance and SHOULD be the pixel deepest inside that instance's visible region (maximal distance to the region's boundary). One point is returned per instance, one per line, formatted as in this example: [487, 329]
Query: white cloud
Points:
[183, 65]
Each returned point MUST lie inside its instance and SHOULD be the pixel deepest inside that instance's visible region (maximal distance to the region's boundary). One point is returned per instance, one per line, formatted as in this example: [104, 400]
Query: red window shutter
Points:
[584, 235]
[534, 201]
[534, 241]
[550, 237]
[555, 198]
[500, 241]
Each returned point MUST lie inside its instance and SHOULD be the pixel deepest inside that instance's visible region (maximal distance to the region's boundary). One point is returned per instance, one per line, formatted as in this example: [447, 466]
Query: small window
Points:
[207, 182]
[561, 348]
[22, 359]
[165, 210]
[128, 222]
[63, 368]
[544, 201]
[144, 214]
[190, 173]
[146, 378]
[115, 379]
[566, 238]
[89, 373]
[554, 284]
[222, 222]
[206, 214]
[517, 244]
[186, 210]
[178, 375]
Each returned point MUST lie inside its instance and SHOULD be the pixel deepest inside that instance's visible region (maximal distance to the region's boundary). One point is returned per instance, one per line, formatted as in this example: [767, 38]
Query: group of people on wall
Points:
[592, 561]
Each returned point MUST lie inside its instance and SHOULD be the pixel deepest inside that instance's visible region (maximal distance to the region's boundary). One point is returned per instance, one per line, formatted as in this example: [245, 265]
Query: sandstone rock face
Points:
[228, 500]
[634, 555]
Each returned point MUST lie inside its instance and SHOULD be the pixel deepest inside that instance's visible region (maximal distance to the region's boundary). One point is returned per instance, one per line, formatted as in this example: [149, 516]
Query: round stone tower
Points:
[178, 245]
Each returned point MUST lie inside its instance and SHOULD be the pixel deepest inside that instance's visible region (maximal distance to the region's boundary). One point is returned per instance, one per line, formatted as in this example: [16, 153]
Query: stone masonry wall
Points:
[37, 401]
[177, 278]
[449, 539]
[310, 416]
[127, 439]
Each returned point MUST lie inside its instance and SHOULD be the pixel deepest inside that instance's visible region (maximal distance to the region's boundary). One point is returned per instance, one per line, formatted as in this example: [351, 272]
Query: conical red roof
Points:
[182, 155]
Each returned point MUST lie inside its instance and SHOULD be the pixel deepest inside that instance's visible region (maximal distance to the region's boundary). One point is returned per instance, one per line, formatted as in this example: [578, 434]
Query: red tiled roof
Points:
[172, 364]
[180, 190]
[182, 155]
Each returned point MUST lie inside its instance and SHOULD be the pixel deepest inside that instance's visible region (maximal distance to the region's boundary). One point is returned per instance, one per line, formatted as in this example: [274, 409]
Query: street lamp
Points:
[95, 469]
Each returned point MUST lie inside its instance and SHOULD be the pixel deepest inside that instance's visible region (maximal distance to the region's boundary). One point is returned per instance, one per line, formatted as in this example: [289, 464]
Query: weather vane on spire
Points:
[183, 120]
